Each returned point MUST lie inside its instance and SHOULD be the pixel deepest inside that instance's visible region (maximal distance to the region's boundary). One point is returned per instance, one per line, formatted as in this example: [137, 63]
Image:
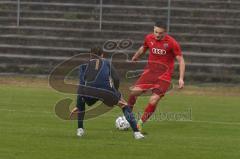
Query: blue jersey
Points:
[99, 78]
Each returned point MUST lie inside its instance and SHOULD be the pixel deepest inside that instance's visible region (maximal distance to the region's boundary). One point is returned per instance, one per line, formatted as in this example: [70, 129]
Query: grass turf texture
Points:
[30, 129]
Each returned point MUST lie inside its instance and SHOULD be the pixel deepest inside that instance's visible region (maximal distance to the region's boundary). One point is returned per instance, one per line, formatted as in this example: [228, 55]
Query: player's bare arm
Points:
[138, 53]
[181, 62]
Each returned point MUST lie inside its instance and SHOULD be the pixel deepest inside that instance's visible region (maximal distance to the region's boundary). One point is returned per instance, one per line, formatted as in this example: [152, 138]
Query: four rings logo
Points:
[159, 51]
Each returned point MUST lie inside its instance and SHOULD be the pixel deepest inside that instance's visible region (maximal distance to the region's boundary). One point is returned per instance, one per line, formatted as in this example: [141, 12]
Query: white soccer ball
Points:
[121, 123]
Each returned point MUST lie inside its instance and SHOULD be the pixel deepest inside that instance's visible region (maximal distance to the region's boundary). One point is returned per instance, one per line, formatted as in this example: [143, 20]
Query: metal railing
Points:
[169, 16]
[100, 14]
[18, 12]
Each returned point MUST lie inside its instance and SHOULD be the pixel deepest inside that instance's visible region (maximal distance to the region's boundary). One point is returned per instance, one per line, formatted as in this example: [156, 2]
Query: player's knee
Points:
[154, 99]
[136, 92]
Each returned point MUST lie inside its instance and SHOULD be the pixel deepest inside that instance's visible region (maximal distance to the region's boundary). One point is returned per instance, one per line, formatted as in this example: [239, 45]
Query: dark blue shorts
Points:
[90, 100]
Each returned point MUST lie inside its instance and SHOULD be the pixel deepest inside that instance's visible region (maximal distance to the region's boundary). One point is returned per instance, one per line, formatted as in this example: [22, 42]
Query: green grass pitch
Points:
[29, 128]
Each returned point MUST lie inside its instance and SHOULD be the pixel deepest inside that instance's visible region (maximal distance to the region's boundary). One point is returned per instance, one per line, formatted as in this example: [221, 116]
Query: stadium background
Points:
[50, 31]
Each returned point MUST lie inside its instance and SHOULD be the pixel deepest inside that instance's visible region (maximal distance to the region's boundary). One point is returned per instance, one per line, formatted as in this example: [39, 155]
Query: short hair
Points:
[161, 24]
[96, 50]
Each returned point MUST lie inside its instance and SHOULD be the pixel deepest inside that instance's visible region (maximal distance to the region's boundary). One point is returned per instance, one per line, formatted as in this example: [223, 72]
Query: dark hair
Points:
[161, 24]
[96, 50]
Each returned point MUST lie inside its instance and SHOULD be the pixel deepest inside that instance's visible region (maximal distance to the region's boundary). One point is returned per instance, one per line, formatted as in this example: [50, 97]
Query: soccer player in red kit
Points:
[163, 49]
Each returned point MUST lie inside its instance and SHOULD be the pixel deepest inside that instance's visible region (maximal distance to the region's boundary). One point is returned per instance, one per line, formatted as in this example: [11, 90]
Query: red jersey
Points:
[163, 52]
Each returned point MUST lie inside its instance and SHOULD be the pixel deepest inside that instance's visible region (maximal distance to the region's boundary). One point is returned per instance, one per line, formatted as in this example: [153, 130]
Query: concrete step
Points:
[121, 25]
[191, 57]
[120, 17]
[128, 9]
[51, 14]
[107, 34]
[141, 10]
[207, 38]
[89, 42]
[16, 59]
[210, 47]
[64, 1]
[65, 7]
[214, 58]
[205, 13]
[47, 22]
[207, 4]
[174, 19]
[215, 69]
[41, 71]
[137, 2]
[8, 13]
[8, 21]
[204, 29]
[175, 11]
[50, 41]
[8, 5]
[36, 62]
[189, 3]
[53, 60]
[25, 69]
[41, 50]
[203, 77]
[69, 32]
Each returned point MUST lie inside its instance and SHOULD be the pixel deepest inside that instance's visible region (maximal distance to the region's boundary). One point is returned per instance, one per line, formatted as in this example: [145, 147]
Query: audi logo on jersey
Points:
[159, 51]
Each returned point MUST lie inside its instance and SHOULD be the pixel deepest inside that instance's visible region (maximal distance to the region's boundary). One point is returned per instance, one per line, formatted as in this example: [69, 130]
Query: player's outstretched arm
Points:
[181, 62]
[138, 53]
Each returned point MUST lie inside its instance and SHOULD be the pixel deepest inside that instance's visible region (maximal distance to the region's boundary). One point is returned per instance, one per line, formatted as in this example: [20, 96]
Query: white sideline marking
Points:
[214, 122]
[25, 111]
[193, 121]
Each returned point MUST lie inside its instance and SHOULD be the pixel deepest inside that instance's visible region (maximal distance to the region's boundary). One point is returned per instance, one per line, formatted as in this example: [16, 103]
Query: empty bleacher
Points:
[53, 30]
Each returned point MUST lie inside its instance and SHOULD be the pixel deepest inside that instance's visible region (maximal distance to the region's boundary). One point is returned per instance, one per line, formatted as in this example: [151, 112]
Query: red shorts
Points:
[153, 81]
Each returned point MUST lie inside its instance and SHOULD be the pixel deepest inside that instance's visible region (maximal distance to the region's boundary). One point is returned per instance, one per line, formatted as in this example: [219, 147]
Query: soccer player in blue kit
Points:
[98, 73]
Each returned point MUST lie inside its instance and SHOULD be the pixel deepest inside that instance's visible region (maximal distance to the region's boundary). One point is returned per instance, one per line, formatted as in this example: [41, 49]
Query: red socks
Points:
[132, 100]
[149, 110]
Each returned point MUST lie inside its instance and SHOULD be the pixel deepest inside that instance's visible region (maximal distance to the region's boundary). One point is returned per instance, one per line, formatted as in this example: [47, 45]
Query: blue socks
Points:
[130, 117]
[81, 108]
[126, 111]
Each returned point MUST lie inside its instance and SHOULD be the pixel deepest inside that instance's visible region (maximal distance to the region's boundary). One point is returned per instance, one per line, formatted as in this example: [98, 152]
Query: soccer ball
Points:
[121, 123]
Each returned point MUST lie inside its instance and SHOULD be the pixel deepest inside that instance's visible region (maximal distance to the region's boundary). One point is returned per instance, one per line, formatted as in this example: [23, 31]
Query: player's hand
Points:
[74, 111]
[180, 83]
[134, 59]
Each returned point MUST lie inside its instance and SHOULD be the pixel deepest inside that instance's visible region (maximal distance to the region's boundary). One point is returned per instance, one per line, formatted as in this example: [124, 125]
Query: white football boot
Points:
[138, 135]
